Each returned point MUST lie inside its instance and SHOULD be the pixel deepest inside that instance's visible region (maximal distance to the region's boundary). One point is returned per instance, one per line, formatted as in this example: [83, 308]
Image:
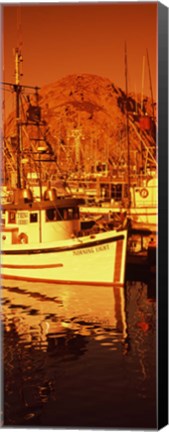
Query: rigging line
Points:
[151, 88]
[5, 89]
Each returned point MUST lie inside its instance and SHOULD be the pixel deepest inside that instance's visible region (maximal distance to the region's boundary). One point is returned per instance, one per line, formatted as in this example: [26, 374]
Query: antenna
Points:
[19, 27]
[18, 62]
[18, 58]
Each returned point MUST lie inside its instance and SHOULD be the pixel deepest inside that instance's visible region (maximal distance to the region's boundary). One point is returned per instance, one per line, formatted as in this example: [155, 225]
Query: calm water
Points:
[79, 356]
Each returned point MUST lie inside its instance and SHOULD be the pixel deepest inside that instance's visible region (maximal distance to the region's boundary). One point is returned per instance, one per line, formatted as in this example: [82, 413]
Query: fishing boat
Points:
[41, 239]
[40, 242]
[110, 199]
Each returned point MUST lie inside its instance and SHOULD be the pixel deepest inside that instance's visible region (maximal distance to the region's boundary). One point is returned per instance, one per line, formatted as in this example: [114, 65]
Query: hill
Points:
[83, 123]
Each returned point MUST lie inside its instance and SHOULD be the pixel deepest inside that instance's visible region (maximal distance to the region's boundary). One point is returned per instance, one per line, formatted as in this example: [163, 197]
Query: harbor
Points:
[79, 233]
[53, 209]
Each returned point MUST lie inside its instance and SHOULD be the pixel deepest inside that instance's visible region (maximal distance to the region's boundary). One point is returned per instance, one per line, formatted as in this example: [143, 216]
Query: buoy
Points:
[144, 193]
[22, 238]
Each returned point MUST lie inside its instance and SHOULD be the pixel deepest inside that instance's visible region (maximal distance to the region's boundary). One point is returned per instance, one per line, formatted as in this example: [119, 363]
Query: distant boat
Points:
[143, 210]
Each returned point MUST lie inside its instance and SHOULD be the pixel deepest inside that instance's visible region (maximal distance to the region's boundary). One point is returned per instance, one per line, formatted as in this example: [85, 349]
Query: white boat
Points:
[143, 210]
[40, 242]
[40, 239]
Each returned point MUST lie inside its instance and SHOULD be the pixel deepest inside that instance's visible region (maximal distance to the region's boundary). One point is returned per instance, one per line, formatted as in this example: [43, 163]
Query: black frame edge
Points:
[162, 281]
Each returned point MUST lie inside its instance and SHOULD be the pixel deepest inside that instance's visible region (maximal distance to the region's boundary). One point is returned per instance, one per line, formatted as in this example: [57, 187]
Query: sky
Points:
[57, 40]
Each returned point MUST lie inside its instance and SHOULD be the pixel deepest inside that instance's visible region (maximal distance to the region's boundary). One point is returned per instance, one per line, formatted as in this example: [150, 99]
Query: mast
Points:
[142, 83]
[17, 89]
[127, 125]
[151, 88]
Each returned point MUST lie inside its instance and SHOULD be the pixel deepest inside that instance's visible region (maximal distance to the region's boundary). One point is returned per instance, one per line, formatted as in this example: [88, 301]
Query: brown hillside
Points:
[83, 120]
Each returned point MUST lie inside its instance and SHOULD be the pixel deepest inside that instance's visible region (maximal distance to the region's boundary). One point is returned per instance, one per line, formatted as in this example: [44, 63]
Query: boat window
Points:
[70, 213]
[104, 190]
[76, 213]
[116, 192]
[33, 217]
[126, 190]
[67, 213]
[59, 214]
[12, 217]
[51, 215]
[62, 214]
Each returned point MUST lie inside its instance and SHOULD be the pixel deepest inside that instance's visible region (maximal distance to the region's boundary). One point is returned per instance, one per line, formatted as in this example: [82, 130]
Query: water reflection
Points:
[141, 329]
[75, 349]
[37, 318]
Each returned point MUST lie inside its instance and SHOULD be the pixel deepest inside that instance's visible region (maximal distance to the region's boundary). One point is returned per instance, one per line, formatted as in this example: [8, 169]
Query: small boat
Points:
[41, 239]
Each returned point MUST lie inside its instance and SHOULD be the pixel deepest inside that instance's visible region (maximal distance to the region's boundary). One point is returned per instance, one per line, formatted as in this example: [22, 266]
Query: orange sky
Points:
[61, 39]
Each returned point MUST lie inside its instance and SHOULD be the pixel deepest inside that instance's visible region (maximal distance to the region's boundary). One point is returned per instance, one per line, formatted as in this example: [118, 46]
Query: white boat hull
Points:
[98, 259]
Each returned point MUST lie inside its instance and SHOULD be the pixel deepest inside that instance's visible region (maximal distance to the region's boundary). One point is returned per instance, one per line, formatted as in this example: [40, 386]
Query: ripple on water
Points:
[88, 352]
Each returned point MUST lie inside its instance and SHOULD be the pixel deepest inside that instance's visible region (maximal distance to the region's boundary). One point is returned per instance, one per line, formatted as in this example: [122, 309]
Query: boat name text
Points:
[91, 250]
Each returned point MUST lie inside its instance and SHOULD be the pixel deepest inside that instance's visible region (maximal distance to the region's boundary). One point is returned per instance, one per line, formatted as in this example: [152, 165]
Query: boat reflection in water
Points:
[79, 356]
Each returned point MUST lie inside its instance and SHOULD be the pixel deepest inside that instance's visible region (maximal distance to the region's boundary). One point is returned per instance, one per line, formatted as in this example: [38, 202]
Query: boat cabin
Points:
[113, 191]
[28, 221]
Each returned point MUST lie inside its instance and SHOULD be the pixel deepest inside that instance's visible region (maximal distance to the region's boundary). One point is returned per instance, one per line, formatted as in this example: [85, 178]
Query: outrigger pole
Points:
[127, 125]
